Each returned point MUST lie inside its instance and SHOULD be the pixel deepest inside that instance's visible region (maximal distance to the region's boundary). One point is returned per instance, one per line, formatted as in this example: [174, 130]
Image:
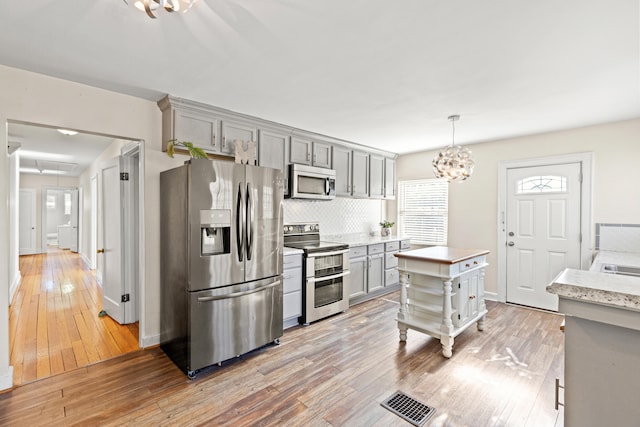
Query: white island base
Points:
[441, 292]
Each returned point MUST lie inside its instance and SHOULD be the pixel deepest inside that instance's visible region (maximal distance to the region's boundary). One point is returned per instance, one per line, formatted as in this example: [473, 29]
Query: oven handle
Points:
[323, 278]
[317, 254]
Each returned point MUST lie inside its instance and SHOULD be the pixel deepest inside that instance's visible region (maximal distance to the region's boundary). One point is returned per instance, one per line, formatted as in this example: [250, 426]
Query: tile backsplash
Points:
[337, 216]
[618, 237]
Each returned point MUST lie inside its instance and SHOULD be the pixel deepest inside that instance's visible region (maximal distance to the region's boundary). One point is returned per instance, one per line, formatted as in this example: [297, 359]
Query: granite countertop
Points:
[361, 239]
[592, 286]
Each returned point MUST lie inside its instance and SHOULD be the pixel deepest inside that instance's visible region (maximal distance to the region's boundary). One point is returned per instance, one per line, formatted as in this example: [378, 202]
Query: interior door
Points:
[543, 230]
[112, 248]
[73, 244]
[27, 221]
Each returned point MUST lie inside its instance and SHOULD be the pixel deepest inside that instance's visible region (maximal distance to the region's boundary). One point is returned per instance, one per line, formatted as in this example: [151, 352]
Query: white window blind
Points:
[423, 210]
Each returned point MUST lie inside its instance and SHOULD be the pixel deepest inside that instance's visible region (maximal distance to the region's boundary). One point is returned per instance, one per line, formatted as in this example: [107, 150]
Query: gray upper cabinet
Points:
[309, 152]
[300, 150]
[376, 176]
[389, 178]
[341, 160]
[321, 154]
[360, 174]
[272, 152]
[189, 126]
[236, 131]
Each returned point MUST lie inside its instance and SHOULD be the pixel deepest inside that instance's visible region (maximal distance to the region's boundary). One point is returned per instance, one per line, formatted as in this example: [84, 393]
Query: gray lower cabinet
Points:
[374, 269]
[292, 290]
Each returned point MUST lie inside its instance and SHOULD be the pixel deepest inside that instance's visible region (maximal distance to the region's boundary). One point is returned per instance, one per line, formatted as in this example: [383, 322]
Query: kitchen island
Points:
[602, 342]
[441, 292]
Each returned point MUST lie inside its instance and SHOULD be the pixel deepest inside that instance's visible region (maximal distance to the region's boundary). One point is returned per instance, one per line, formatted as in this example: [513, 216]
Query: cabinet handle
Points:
[224, 141]
[467, 265]
[475, 262]
[472, 297]
[558, 387]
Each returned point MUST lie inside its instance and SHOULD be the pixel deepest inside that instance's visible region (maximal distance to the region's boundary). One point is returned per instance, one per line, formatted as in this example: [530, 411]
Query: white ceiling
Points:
[376, 72]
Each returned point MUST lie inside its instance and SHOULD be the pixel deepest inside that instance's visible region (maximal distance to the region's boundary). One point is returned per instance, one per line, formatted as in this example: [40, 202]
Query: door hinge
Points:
[124, 176]
[580, 177]
[125, 298]
[580, 238]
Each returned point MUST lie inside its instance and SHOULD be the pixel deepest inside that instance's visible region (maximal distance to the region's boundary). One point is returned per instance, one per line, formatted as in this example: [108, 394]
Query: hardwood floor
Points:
[332, 373]
[53, 320]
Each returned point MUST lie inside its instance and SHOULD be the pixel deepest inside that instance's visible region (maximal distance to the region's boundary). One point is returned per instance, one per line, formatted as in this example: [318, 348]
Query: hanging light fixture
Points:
[151, 6]
[454, 163]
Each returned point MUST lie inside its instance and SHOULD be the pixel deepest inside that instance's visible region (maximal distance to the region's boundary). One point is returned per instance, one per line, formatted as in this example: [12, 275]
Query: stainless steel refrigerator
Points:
[221, 255]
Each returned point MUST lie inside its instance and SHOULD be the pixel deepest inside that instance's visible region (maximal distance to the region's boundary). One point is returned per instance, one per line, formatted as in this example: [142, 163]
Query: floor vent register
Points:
[410, 409]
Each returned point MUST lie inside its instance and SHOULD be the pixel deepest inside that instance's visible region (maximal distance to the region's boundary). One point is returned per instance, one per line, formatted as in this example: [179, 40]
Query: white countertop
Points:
[361, 239]
[601, 288]
[291, 251]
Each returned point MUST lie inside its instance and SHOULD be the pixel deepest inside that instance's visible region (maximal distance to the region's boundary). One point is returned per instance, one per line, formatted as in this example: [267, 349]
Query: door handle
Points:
[239, 224]
[100, 251]
[510, 243]
[249, 223]
[238, 294]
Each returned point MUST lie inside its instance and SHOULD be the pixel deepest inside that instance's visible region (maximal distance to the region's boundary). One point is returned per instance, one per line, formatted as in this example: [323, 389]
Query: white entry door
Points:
[113, 286]
[543, 230]
[27, 221]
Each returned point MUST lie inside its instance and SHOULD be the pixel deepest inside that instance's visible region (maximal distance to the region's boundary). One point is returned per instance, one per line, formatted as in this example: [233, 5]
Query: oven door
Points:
[326, 296]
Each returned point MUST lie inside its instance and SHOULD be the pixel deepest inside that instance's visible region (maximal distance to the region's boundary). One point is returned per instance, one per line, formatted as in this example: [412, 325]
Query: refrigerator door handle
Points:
[239, 225]
[249, 223]
[238, 294]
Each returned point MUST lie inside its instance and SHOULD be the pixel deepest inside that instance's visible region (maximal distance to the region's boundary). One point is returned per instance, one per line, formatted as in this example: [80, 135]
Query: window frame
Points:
[435, 213]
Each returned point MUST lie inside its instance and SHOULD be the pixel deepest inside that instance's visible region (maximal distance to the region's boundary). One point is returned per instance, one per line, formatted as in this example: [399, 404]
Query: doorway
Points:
[51, 339]
[544, 225]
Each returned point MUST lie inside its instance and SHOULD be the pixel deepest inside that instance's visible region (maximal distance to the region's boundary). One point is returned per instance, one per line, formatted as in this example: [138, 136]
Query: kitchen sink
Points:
[621, 269]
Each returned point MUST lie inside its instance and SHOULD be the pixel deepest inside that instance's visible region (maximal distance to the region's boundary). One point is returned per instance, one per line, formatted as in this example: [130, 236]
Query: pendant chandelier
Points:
[151, 6]
[454, 163]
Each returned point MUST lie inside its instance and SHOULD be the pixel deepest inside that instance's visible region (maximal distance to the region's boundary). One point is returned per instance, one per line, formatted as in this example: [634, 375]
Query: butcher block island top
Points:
[441, 292]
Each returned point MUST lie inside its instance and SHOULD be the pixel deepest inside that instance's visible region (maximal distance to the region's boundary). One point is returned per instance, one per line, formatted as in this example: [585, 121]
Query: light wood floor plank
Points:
[53, 319]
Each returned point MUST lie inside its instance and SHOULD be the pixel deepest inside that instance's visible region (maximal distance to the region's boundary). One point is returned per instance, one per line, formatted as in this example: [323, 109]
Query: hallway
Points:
[53, 319]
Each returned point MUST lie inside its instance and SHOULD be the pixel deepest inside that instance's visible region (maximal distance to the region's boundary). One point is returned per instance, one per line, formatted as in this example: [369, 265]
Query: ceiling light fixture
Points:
[454, 163]
[67, 132]
[150, 6]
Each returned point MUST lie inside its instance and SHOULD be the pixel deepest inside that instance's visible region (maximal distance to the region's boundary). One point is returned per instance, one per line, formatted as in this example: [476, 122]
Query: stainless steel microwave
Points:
[311, 182]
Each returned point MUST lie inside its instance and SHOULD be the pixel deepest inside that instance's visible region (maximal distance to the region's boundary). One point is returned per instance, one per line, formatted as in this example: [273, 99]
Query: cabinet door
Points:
[376, 272]
[232, 131]
[389, 178]
[342, 164]
[376, 176]
[466, 298]
[272, 150]
[199, 128]
[300, 150]
[357, 277]
[360, 174]
[322, 154]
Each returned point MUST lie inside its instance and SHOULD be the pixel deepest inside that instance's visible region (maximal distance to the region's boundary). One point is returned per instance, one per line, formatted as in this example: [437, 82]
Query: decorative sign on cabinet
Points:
[441, 292]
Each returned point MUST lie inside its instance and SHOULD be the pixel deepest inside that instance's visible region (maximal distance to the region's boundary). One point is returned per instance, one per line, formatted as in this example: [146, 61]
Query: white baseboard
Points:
[150, 341]
[87, 261]
[491, 296]
[14, 286]
[6, 380]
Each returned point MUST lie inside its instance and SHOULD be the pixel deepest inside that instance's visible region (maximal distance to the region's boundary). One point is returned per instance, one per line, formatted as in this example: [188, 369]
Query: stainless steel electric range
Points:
[325, 290]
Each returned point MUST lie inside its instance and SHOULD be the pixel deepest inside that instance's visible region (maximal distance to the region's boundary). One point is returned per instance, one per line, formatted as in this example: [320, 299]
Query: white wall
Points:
[38, 182]
[473, 204]
[35, 98]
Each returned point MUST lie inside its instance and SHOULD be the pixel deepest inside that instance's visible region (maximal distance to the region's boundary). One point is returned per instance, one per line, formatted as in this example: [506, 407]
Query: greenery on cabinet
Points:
[195, 152]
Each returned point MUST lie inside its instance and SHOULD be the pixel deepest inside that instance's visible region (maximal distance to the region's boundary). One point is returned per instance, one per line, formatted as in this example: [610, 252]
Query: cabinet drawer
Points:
[390, 261]
[357, 252]
[378, 248]
[471, 263]
[292, 261]
[292, 305]
[405, 244]
[391, 277]
[292, 280]
[392, 246]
